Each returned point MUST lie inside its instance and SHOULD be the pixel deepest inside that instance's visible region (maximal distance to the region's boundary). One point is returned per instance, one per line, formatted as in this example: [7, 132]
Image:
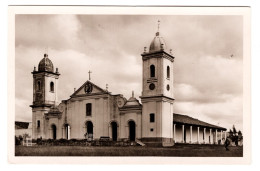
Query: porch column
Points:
[109, 131]
[62, 132]
[198, 135]
[221, 142]
[174, 133]
[210, 139]
[225, 135]
[204, 139]
[68, 132]
[190, 134]
[50, 135]
[216, 136]
[182, 133]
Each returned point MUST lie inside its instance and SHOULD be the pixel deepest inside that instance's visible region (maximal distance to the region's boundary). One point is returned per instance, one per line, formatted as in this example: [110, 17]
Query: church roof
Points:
[45, 64]
[157, 44]
[21, 125]
[132, 102]
[54, 110]
[94, 86]
[187, 120]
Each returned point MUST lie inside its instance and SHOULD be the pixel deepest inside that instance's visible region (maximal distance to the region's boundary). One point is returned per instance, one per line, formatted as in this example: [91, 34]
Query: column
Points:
[225, 135]
[204, 140]
[50, 135]
[68, 132]
[109, 130]
[216, 136]
[221, 141]
[62, 132]
[210, 142]
[198, 135]
[174, 133]
[182, 133]
[127, 132]
[190, 134]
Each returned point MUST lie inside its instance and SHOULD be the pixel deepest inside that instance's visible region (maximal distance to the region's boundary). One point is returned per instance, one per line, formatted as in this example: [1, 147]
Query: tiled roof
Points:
[187, 120]
[21, 125]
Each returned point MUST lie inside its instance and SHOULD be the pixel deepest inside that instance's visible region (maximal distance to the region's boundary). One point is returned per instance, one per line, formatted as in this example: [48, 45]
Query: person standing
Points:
[227, 143]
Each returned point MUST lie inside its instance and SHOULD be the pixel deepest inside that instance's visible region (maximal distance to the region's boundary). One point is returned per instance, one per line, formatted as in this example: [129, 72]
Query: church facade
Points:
[92, 112]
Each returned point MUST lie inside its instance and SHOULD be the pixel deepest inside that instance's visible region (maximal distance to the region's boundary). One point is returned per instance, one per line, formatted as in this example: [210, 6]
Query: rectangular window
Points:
[88, 109]
[38, 124]
[152, 117]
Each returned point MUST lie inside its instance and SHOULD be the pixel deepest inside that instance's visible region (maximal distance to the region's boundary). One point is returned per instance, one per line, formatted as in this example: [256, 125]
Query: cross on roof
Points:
[89, 72]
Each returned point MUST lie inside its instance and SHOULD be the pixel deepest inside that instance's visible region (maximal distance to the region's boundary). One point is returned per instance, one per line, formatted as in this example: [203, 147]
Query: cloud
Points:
[42, 31]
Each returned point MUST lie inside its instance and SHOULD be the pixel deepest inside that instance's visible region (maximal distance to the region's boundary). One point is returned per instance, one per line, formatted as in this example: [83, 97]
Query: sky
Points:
[208, 66]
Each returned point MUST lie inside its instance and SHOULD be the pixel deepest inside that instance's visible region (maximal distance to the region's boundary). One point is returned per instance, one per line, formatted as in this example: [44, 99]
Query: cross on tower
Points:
[46, 50]
[89, 72]
[158, 25]
[106, 87]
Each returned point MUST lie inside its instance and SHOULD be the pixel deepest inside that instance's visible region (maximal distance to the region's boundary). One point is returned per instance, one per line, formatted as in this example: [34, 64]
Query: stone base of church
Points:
[158, 142]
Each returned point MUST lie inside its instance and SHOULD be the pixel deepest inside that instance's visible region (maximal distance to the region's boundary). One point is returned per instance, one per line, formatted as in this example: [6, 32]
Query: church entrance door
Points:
[114, 131]
[89, 125]
[131, 125]
[53, 127]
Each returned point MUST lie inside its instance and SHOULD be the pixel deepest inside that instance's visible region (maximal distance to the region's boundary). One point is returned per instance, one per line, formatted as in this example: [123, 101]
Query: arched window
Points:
[152, 71]
[38, 85]
[168, 72]
[52, 86]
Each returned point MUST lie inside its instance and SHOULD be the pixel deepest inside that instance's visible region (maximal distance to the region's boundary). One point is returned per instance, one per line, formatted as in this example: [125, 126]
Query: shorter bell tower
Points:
[157, 95]
[45, 91]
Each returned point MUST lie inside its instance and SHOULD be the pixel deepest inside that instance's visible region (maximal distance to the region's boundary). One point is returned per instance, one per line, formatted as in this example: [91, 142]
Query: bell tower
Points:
[45, 91]
[157, 95]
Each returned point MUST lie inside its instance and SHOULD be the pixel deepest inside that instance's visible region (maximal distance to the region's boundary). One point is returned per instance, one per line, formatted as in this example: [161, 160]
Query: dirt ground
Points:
[177, 150]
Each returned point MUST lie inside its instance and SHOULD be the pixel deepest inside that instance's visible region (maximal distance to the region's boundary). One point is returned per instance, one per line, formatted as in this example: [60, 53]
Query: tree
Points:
[230, 132]
[240, 136]
[234, 130]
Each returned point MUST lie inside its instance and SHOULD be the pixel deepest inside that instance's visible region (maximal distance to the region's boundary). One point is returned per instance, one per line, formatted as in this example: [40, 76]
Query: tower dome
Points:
[157, 44]
[45, 64]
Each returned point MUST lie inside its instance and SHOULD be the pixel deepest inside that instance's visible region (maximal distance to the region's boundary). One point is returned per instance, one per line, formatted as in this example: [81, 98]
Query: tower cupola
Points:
[157, 44]
[45, 64]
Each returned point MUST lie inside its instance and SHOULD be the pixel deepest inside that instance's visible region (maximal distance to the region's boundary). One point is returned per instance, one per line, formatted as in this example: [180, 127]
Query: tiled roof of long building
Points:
[187, 120]
[21, 125]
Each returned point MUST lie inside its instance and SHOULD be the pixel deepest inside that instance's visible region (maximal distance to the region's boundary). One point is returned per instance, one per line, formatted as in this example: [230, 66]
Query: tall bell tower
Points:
[45, 91]
[157, 95]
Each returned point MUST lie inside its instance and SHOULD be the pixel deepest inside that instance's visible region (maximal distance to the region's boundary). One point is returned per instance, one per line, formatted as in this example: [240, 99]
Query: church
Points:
[92, 112]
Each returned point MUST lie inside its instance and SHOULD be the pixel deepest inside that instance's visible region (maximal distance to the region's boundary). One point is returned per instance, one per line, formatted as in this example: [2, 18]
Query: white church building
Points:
[93, 112]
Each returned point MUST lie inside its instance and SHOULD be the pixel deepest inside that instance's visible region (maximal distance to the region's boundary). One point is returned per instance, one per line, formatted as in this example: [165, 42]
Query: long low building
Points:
[190, 130]
[22, 128]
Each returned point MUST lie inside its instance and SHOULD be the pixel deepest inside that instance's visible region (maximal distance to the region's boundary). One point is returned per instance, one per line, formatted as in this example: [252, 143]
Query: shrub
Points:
[17, 141]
